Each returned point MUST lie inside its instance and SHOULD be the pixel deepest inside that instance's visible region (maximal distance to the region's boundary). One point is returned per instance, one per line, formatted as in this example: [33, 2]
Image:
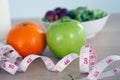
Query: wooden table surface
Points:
[106, 43]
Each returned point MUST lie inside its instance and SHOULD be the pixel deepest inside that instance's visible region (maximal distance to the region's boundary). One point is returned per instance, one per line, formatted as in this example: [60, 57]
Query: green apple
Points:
[66, 36]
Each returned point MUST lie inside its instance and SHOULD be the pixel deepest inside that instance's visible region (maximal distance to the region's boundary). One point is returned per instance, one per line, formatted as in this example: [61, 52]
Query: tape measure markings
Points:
[11, 61]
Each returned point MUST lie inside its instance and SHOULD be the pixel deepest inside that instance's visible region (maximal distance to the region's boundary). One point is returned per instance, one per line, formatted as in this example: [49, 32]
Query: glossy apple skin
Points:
[65, 37]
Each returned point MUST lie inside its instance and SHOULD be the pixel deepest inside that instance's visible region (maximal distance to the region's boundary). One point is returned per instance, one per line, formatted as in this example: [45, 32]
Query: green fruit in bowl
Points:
[66, 36]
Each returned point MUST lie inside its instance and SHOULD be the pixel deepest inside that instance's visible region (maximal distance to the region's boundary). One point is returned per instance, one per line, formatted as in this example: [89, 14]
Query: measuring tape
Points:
[11, 61]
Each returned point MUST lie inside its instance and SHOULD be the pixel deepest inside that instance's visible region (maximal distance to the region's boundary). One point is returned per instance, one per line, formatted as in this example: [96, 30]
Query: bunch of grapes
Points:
[57, 13]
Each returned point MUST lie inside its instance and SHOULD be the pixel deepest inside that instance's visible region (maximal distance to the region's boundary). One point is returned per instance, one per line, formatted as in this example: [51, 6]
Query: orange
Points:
[27, 38]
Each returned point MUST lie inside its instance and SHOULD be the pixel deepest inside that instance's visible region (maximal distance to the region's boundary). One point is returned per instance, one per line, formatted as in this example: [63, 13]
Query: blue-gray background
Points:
[37, 8]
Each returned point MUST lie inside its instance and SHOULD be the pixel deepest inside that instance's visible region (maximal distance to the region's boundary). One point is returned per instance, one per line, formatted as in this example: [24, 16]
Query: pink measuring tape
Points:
[11, 61]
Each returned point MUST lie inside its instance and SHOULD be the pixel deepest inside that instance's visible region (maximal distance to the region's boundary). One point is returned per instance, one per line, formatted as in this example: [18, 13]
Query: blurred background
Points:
[37, 8]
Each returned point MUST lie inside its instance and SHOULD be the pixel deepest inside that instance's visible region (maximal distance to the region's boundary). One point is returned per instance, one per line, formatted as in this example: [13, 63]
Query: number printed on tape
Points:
[29, 60]
[11, 66]
[66, 62]
[85, 60]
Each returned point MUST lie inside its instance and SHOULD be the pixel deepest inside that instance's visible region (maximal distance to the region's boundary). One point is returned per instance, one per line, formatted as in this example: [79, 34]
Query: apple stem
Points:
[65, 19]
[25, 24]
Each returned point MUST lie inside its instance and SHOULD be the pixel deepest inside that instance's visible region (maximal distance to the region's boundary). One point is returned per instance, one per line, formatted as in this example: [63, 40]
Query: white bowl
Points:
[94, 26]
[91, 27]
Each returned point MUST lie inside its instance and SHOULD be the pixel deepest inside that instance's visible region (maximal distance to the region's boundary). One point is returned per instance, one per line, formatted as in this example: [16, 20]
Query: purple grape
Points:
[63, 12]
[57, 10]
[50, 15]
